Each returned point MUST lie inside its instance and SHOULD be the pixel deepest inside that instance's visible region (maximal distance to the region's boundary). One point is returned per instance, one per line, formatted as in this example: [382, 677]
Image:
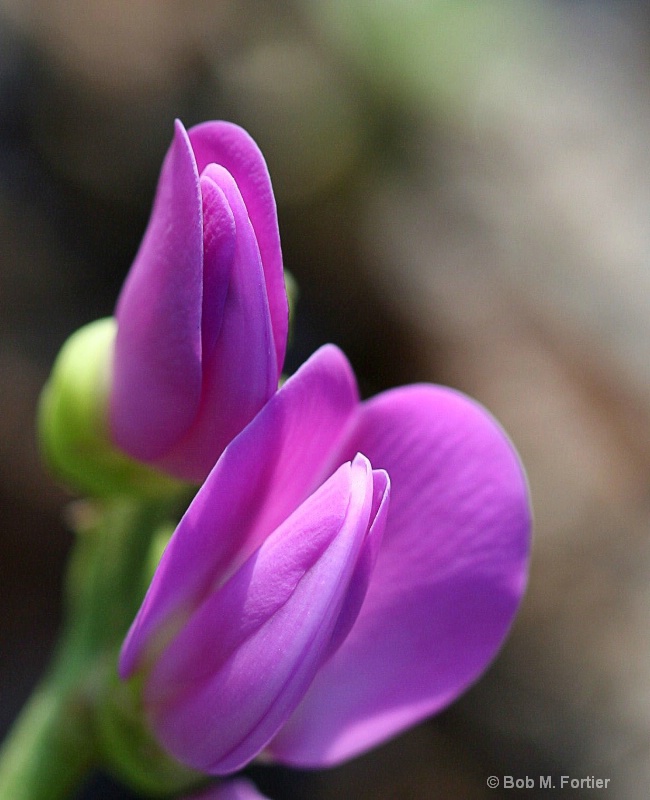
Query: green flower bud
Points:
[73, 422]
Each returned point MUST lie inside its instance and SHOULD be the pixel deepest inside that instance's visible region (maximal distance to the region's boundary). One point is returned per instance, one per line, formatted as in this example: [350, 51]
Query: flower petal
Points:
[265, 473]
[159, 316]
[232, 790]
[230, 146]
[447, 583]
[365, 565]
[219, 248]
[239, 364]
[241, 664]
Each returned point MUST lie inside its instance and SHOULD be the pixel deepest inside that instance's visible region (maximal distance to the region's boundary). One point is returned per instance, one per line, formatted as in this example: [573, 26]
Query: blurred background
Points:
[464, 198]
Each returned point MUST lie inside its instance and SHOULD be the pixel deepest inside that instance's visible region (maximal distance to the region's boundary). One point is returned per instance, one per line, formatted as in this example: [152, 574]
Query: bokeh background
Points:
[464, 198]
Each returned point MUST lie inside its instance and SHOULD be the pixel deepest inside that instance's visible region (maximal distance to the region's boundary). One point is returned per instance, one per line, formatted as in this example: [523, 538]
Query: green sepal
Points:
[130, 750]
[73, 422]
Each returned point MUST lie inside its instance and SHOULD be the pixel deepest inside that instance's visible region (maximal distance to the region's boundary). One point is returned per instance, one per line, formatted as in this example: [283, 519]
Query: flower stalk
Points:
[57, 739]
[51, 747]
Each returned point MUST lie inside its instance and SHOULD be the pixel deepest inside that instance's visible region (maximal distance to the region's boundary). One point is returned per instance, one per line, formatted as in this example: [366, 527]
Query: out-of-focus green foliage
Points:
[431, 52]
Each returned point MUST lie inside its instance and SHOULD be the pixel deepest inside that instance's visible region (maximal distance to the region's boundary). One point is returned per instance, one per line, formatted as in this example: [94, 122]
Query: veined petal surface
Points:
[448, 579]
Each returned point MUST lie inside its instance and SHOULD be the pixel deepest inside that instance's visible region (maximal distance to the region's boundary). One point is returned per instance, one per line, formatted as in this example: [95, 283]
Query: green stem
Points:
[55, 741]
[50, 748]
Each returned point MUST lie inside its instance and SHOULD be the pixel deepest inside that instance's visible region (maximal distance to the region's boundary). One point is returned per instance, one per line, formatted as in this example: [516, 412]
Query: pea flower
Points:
[202, 317]
[347, 569]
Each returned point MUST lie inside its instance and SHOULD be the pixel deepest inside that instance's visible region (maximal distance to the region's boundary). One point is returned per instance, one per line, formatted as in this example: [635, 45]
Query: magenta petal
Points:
[447, 583]
[266, 472]
[239, 364]
[219, 249]
[232, 790]
[239, 667]
[365, 565]
[230, 146]
[159, 316]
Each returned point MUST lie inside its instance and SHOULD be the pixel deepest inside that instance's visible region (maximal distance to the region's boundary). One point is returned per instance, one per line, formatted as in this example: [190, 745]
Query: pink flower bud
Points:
[202, 317]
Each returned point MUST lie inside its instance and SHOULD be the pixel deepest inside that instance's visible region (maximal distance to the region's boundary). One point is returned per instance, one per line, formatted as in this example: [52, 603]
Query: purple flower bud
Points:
[297, 611]
[202, 317]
